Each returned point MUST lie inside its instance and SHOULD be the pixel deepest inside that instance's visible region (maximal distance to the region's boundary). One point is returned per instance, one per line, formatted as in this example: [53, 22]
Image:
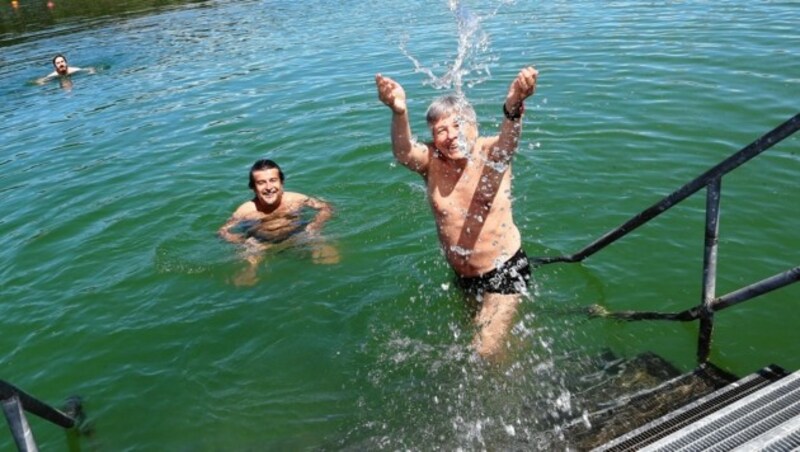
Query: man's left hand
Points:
[521, 88]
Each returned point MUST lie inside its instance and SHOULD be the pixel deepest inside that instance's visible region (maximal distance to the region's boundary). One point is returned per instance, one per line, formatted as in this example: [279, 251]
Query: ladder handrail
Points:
[36, 406]
[712, 181]
[15, 402]
[729, 164]
[753, 290]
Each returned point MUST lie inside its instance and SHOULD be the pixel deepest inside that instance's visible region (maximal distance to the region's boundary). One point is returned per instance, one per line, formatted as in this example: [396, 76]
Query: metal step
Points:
[698, 411]
[782, 438]
[765, 412]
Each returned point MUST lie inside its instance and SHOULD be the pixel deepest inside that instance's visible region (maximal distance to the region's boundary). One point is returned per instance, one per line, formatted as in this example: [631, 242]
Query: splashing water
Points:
[473, 56]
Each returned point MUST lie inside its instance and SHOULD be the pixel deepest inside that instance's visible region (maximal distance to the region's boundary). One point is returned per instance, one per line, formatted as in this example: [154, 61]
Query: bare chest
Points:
[474, 190]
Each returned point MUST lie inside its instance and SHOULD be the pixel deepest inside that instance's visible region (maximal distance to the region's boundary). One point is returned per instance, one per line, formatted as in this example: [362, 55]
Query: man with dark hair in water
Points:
[273, 216]
[62, 70]
[468, 179]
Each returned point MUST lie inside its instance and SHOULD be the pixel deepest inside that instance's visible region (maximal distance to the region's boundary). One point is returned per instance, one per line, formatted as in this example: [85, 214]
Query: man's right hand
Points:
[391, 94]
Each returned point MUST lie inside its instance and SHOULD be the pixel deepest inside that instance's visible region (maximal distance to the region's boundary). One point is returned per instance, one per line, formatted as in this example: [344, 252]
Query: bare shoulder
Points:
[425, 155]
[295, 201]
[417, 158]
[245, 210]
[294, 198]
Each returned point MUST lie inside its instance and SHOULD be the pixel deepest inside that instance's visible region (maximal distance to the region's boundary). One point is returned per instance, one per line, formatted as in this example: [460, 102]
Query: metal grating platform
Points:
[785, 437]
[758, 412]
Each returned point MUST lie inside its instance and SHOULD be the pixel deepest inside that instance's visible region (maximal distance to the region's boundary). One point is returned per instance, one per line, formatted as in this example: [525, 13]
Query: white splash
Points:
[473, 57]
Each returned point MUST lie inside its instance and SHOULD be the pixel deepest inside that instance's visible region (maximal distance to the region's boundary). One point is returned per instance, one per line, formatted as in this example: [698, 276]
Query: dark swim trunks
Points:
[510, 278]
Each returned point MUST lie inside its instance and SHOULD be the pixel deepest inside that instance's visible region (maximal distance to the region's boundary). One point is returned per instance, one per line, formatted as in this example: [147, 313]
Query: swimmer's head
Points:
[260, 165]
[453, 126]
[60, 64]
[266, 181]
[449, 104]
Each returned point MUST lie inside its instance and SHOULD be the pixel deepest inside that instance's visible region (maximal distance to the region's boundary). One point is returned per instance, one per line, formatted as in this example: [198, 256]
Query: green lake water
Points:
[116, 288]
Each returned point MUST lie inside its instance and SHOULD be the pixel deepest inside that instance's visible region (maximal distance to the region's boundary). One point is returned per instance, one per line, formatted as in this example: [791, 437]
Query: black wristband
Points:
[515, 117]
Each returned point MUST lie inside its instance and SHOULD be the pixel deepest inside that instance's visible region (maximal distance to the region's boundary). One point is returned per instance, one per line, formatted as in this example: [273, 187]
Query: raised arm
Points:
[521, 88]
[407, 151]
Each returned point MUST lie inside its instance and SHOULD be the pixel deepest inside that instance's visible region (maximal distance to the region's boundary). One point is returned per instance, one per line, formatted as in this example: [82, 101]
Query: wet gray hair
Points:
[449, 104]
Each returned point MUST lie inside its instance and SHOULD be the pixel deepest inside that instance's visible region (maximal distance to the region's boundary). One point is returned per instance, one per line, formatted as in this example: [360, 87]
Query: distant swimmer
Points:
[272, 217]
[62, 71]
[468, 179]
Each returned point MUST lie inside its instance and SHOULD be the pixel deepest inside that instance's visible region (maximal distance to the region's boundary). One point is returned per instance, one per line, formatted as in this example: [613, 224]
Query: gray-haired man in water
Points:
[468, 180]
[273, 216]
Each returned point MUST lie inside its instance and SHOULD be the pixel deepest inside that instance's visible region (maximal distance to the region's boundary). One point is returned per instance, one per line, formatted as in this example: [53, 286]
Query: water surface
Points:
[116, 288]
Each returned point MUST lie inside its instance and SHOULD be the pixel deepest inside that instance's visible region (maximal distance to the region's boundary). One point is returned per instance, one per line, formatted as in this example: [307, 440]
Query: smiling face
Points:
[60, 64]
[454, 136]
[267, 186]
